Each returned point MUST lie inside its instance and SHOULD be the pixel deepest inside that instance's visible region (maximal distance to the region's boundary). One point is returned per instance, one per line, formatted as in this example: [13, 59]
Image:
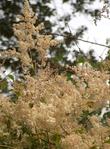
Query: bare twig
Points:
[6, 146]
[83, 40]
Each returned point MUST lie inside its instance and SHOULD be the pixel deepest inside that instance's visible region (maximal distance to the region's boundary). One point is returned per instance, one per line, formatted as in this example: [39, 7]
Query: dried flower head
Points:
[50, 111]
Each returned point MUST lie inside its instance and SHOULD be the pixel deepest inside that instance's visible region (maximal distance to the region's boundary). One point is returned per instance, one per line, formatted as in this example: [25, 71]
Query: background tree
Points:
[44, 11]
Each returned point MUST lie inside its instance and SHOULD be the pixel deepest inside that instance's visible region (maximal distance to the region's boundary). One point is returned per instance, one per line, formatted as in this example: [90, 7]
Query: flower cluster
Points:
[50, 111]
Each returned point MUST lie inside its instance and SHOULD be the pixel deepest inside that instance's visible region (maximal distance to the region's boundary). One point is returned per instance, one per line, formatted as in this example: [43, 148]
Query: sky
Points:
[95, 33]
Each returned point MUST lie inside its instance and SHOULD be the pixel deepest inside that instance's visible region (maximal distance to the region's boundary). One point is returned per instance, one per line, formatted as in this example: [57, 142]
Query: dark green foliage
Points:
[69, 76]
[11, 77]
[10, 9]
[108, 55]
[65, 1]
[4, 85]
[84, 118]
[107, 141]
[41, 140]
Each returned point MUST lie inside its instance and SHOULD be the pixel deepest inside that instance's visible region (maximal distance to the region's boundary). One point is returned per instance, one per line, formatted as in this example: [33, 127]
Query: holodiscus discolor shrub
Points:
[52, 111]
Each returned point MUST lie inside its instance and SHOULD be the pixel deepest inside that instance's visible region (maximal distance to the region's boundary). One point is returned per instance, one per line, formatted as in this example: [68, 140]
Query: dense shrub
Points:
[53, 111]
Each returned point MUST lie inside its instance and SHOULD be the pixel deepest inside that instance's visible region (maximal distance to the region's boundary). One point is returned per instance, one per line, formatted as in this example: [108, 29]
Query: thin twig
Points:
[72, 35]
[83, 40]
[6, 146]
[95, 43]
[65, 131]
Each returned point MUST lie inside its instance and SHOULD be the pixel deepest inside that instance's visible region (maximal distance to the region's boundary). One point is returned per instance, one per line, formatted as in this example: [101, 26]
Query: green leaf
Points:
[3, 85]
[80, 59]
[56, 139]
[107, 141]
[11, 77]
[69, 74]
